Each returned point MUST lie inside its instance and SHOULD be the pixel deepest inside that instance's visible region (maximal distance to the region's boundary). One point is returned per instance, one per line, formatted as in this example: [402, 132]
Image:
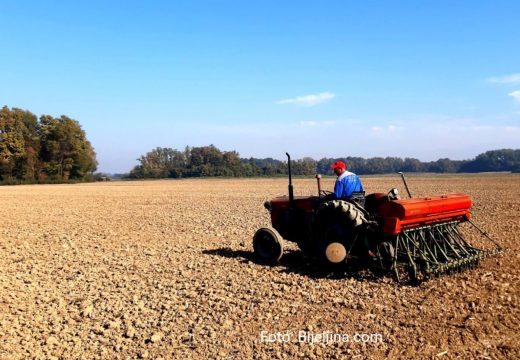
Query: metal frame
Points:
[436, 249]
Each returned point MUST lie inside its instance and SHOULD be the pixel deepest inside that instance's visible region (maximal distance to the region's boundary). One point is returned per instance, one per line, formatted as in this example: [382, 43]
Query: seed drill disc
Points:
[335, 252]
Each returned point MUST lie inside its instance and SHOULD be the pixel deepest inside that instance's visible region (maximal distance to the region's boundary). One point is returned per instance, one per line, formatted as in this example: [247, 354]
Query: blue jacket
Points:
[346, 184]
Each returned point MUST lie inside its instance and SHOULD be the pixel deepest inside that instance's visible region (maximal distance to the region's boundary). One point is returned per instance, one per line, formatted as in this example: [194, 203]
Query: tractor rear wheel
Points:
[335, 230]
[267, 245]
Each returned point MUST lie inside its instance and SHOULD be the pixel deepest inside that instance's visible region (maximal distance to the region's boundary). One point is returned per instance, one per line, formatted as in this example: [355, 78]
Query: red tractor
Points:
[413, 238]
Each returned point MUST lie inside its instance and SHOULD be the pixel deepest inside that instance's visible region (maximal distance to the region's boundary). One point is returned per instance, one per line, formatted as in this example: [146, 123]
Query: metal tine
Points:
[453, 249]
[427, 247]
[440, 249]
[394, 261]
[458, 239]
[446, 242]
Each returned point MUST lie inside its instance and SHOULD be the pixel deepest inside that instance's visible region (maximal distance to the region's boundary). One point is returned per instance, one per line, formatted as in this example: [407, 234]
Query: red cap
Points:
[338, 165]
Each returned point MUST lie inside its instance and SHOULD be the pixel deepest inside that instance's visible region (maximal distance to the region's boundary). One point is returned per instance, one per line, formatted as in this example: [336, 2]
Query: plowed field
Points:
[152, 269]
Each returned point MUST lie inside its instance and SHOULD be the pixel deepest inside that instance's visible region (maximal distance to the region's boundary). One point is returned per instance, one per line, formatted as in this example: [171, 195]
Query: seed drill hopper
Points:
[412, 238]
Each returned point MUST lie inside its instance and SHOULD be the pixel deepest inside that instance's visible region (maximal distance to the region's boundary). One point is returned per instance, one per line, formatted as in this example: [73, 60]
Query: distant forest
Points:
[56, 150]
[44, 150]
[210, 161]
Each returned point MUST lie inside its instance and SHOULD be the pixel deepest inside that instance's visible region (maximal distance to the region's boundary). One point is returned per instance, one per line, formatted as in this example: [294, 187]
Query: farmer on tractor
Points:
[348, 185]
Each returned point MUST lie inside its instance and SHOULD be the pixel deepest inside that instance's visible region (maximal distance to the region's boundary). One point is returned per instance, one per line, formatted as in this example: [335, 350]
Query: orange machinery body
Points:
[305, 203]
[399, 215]
[290, 219]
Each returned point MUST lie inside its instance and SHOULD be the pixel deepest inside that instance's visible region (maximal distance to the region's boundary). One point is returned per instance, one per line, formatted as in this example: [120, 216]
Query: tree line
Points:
[52, 150]
[44, 149]
[210, 161]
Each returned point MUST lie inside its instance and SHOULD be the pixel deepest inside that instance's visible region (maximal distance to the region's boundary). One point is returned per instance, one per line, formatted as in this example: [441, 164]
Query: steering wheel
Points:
[328, 195]
[393, 194]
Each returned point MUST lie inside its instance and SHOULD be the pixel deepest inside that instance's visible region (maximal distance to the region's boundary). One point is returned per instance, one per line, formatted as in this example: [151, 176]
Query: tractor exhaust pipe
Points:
[291, 192]
[405, 185]
[318, 179]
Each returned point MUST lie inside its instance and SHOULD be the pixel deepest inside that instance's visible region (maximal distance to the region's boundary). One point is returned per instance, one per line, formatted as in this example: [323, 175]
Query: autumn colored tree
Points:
[12, 145]
[37, 151]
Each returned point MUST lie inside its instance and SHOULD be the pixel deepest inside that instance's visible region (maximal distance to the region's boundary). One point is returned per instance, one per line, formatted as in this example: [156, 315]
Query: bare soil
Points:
[155, 269]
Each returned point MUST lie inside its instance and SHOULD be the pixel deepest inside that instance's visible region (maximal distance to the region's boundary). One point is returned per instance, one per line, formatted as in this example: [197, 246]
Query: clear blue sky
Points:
[424, 79]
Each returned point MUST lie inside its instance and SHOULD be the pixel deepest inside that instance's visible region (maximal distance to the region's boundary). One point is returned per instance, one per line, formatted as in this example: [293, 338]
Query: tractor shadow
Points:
[296, 262]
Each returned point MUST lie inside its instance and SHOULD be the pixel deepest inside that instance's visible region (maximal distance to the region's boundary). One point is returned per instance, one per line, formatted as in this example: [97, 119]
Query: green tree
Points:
[31, 162]
[494, 160]
[412, 165]
[305, 166]
[210, 161]
[160, 163]
[65, 150]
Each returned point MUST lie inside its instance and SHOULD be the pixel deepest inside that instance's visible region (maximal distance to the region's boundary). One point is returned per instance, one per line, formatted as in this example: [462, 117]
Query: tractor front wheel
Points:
[267, 245]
